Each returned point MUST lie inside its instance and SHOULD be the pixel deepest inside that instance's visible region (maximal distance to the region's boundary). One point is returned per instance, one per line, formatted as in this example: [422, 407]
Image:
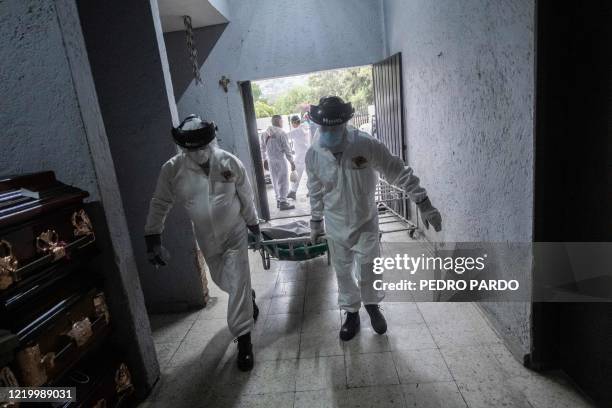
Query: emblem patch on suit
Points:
[359, 162]
[227, 175]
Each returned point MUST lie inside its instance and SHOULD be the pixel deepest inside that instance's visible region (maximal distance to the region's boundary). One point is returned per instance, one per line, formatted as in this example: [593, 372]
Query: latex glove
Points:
[292, 166]
[316, 229]
[266, 167]
[156, 253]
[257, 235]
[430, 215]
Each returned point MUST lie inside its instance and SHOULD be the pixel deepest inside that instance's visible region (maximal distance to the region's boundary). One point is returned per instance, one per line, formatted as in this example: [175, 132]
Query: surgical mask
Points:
[331, 137]
[199, 156]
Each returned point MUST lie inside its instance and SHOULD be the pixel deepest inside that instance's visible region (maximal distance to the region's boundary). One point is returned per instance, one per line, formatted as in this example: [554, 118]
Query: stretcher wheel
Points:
[265, 259]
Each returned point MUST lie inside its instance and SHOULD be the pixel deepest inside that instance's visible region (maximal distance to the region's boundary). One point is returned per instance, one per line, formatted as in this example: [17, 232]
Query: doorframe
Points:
[254, 146]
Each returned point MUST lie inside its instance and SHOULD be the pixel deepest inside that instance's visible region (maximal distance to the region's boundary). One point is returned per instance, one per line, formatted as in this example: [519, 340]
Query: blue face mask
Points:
[331, 137]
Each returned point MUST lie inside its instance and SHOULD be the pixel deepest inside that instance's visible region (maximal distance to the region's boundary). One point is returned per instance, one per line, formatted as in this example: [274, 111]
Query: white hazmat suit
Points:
[220, 206]
[277, 152]
[301, 143]
[343, 191]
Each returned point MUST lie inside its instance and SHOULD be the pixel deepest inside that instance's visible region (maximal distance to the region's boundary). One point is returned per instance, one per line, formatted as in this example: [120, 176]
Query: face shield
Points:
[201, 155]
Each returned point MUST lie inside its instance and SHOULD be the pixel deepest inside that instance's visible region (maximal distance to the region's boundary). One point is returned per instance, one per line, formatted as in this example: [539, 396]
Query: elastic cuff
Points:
[422, 201]
[254, 228]
[152, 241]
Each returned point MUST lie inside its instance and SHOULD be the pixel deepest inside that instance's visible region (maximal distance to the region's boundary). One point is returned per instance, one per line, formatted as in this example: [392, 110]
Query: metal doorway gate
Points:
[387, 79]
[389, 103]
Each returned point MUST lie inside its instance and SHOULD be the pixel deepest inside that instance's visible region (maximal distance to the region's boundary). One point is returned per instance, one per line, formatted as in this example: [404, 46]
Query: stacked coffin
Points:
[54, 320]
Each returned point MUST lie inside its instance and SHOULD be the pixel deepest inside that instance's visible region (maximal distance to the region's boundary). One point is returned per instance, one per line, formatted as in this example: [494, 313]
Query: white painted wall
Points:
[51, 120]
[468, 72]
[267, 39]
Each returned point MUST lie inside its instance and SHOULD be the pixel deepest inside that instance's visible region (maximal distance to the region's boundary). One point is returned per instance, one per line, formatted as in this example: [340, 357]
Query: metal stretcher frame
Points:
[389, 196]
[270, 249]
[386, 196]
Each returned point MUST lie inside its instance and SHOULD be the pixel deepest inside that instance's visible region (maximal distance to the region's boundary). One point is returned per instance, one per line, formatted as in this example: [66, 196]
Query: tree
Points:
[290, 101]
[256, 91]
[353, 85]
[263, 110]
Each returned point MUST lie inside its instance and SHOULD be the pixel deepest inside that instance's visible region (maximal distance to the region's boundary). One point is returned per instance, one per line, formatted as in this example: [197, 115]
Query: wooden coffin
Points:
[42, 221]
[53, 342]
[102, 380]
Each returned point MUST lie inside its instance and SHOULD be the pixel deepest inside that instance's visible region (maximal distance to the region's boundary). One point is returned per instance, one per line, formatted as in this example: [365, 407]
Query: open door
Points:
[389, 103]
[387, 80]
[251, 122]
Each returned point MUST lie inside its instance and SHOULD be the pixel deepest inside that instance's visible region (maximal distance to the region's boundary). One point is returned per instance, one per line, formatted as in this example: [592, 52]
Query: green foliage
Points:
[256, 90]
[289, 101]
[353, 85]
[263, 110]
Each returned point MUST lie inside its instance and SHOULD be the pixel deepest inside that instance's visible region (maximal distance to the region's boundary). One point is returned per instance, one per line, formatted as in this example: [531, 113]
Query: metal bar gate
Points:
[387, 80]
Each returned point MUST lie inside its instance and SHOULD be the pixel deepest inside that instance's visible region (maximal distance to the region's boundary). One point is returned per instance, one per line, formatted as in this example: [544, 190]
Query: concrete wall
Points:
[51, 121]
[132, 77]
[181, 72]
[468, 72]
[39, 113]
[269, 39]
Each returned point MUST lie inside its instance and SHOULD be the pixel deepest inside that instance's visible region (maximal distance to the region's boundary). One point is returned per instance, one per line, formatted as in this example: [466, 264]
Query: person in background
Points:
[276, 153]
[301, 143]
[312, 127]
[213, 187]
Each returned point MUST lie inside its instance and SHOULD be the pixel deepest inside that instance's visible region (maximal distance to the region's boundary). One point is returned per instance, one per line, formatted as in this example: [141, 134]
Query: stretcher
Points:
[289, 242]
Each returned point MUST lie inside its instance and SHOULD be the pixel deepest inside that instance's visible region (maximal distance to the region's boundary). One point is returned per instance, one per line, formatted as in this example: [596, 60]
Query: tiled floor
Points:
[300, 362]
[433, 355]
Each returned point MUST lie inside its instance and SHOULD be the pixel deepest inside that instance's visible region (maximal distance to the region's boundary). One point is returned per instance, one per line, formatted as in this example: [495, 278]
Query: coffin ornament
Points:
[8, 265]
[48, 243]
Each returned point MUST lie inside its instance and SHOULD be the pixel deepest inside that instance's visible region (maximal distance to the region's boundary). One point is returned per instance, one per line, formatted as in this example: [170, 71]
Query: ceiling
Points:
[202, 13]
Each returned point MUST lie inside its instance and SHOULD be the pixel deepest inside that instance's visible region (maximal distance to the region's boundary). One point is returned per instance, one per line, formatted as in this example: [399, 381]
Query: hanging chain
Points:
[193, 52]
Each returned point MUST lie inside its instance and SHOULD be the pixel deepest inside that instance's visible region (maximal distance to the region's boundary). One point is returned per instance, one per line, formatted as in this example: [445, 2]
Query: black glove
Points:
[156, 253]
[292, 166]
[316, 229]
[256, 231]
[266, 167]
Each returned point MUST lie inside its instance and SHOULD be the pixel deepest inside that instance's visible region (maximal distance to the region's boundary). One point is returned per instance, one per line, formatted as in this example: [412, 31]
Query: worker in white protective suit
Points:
[342, 167]
[213, 186]
[301, 143]
[276, 153]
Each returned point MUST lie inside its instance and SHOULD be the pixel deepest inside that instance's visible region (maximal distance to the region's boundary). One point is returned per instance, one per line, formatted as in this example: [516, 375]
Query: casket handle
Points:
[34, 366]
[81, 331]
[82, 224]
[48, 243]
[8, 265]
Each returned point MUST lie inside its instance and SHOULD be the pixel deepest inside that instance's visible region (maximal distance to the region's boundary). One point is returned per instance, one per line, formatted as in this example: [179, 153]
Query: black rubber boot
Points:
[350, 327]
[283, 206]
[379, 324]
[255, 308]
[245, 353]
[291, 195]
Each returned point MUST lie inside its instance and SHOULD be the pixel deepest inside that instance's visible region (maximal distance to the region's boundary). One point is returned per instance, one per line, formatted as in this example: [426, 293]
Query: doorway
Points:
[291, 97]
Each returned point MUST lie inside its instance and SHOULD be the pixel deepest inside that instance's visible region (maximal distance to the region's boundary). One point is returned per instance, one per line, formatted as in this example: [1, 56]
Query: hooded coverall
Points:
[276, 150]
[301, 143]
[342, 190]
[220, 206]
